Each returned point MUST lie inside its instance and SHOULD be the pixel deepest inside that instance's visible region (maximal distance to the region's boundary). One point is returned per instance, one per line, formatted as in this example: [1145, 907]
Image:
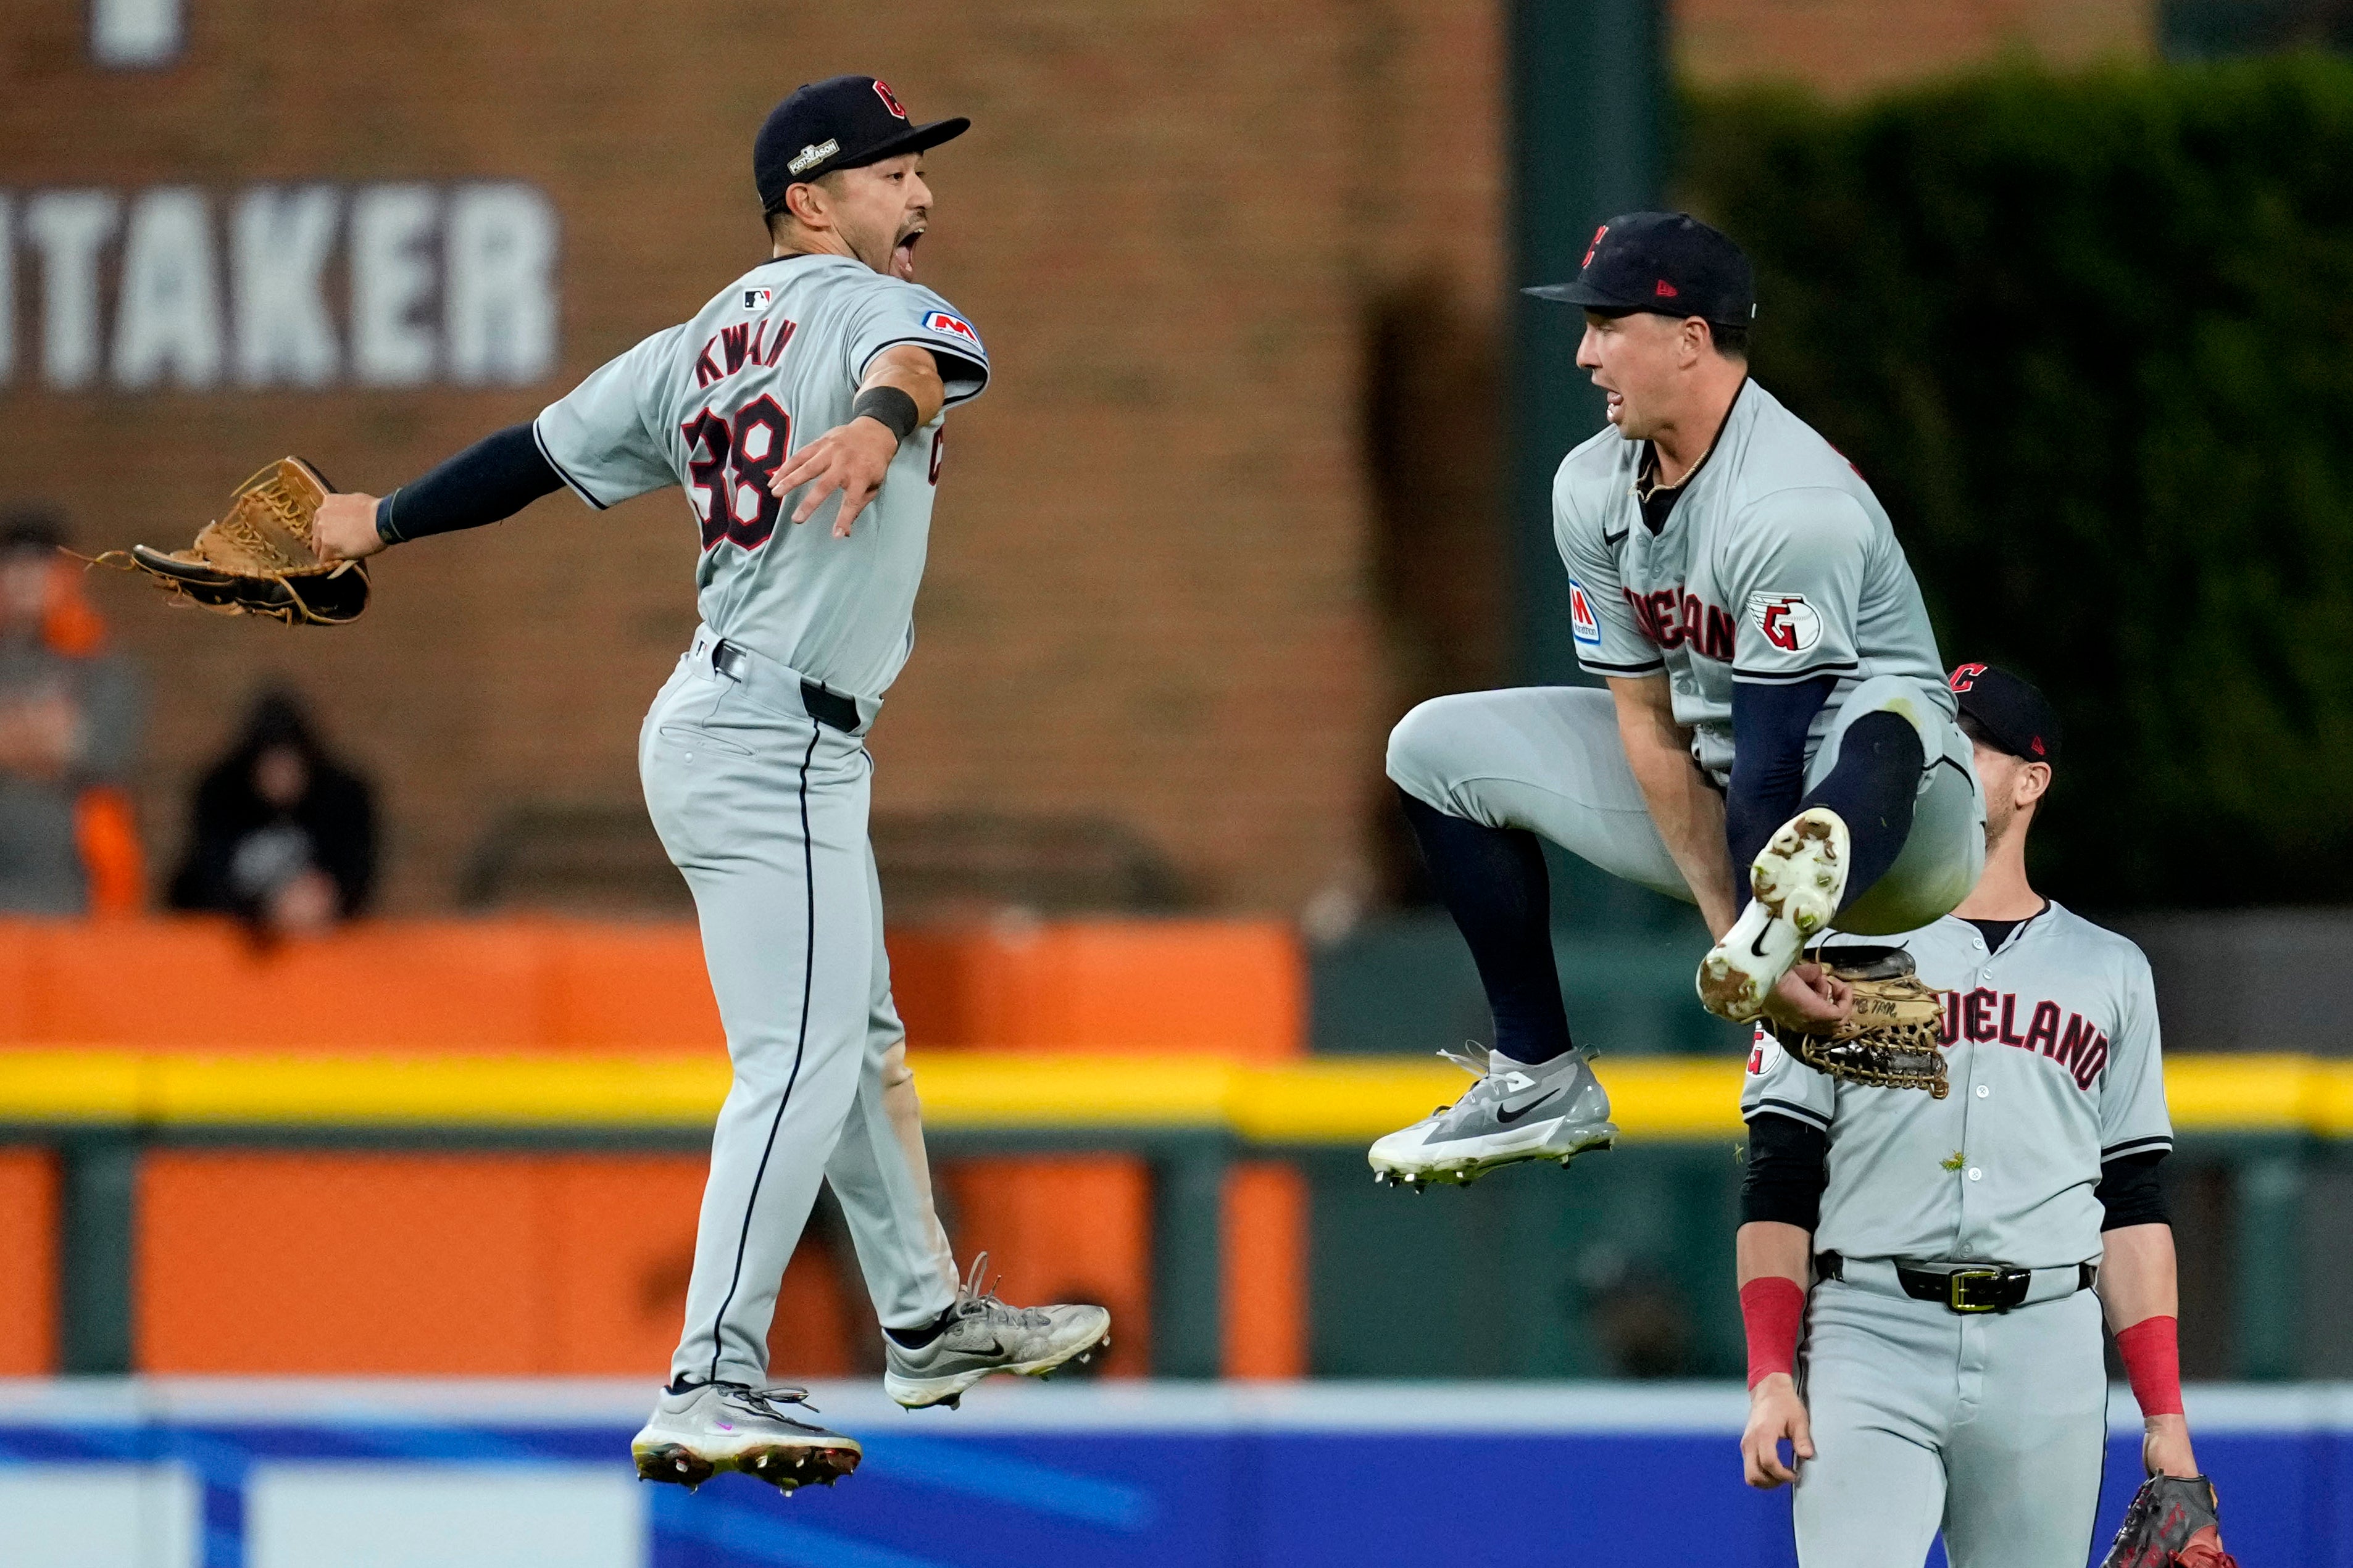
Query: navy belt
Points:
[830, 708]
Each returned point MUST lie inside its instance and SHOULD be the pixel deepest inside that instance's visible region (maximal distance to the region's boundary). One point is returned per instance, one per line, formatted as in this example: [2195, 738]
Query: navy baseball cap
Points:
[2012, 713]
[842, 123]
[1668, 263]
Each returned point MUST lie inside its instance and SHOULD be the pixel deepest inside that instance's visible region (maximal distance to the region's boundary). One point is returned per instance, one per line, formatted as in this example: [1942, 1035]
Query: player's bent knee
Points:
[1424, 749]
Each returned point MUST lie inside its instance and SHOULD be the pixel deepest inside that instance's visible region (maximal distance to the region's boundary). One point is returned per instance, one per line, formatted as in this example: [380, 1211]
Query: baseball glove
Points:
[1890, 1039]
[2173, 1522]
[256, 560]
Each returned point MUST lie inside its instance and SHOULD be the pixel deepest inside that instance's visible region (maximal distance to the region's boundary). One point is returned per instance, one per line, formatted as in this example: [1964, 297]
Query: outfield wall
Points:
[250, 1474]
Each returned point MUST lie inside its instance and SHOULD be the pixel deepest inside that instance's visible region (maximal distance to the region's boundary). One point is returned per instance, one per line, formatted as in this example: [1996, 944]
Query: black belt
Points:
[1993, 1289]
[830, 708]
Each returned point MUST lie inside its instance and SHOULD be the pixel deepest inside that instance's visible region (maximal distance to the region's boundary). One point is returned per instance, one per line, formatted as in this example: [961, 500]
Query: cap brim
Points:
[1578, 294]
[914, 139]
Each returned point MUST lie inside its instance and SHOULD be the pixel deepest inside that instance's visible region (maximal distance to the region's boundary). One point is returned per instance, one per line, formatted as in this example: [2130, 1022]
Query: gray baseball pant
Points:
[764, 810]
[1990, 1426]
[1550, 759]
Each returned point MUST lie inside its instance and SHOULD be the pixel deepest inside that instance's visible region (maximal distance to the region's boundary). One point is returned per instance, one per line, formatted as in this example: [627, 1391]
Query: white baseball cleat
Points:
[1496, 1124]
[983, 1337]
[1799, 879]
[714, 1426]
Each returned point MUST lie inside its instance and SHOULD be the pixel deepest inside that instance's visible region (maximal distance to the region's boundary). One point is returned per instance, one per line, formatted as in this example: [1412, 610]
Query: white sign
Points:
[391, 285]
[130, 34]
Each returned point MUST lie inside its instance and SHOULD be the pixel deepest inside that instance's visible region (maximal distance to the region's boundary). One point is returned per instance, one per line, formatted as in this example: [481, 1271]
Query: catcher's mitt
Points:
[2173, 1522]
[258, 560]
[1890, 1039]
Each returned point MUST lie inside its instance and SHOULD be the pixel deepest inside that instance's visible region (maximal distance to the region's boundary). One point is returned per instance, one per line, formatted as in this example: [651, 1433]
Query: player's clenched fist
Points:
[1775, 1413]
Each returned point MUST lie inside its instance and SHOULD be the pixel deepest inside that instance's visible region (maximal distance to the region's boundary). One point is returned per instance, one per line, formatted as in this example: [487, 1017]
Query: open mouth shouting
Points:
[902, 254]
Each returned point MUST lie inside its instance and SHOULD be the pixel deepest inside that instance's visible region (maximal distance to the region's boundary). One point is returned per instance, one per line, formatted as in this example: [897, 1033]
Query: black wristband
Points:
[889, 407]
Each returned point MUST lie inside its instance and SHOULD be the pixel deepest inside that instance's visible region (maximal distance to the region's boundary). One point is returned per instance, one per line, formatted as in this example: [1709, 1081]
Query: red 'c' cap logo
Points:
[1592, 248]
[890, 100]
[1966, 675]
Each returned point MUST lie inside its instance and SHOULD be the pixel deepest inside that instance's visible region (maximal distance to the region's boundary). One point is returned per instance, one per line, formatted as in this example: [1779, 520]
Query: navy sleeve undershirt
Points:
[490, 480]
[1769, 762]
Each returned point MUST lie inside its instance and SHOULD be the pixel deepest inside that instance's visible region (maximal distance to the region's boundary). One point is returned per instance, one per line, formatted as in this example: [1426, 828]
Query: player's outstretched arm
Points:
[903, 393]
[1772, 1261]
[2139, 1289]
[488, 481]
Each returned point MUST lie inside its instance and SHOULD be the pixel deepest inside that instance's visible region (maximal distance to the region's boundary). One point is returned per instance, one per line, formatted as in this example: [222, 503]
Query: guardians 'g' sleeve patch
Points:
[1787, 622]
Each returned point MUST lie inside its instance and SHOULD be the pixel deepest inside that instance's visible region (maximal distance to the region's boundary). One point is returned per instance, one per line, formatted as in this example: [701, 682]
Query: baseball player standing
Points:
[1951, 1374]
[1775, 702]
[825, 372]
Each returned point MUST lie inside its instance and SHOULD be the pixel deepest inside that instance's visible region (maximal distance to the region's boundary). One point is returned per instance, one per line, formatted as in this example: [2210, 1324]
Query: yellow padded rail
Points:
[1317, 1099]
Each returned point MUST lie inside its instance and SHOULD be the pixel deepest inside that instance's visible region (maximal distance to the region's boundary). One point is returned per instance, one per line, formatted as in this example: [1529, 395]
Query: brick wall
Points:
[1149, 598]
[1229, 508]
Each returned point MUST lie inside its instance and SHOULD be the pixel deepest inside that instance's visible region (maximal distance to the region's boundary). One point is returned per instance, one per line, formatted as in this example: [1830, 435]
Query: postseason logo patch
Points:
[1787, 622]
[758, 299]
[1583, 624]
[952, 326]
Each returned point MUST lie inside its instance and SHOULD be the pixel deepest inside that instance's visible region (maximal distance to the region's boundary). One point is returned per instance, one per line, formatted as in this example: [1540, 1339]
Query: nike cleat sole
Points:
[1798, 880]
[1464, 1161]
[788, 1467]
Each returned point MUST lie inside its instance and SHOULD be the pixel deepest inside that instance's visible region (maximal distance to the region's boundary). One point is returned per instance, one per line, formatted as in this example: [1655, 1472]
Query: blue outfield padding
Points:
[227, 1474]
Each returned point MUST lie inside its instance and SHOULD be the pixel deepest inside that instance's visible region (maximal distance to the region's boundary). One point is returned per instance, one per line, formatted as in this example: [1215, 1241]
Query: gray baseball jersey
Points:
[1775, 565]
[2053, 1052]
[760, 793]
[1988, 1427]
[718, 404]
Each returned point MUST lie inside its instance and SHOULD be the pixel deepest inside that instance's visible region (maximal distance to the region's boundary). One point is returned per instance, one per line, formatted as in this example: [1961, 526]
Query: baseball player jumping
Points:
[823, 374]
[1775, 702]
[1951, 1374]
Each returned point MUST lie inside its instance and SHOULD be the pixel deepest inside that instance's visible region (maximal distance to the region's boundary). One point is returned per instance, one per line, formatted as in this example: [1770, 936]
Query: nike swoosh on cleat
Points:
[1506, 1117]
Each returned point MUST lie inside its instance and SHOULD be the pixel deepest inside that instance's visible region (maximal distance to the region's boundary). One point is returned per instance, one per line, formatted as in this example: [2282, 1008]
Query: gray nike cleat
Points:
[715, 1426]
[985, 1336]
[1552, 1110]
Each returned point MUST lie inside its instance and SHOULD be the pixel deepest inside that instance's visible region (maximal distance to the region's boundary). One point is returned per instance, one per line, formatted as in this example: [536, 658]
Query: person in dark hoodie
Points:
[281, 835]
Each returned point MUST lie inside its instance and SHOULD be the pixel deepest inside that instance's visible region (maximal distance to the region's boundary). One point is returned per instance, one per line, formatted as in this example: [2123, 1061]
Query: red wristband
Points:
[2151, 1352]
[1771, 1310]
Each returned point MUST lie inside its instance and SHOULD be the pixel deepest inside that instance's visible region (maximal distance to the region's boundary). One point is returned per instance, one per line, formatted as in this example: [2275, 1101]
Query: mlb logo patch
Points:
[1583, 624]
[758, 299]
[953, 326]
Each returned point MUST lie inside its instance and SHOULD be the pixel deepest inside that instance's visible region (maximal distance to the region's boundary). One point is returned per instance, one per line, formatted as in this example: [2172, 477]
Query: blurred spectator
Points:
[69, 714]
[282, 835]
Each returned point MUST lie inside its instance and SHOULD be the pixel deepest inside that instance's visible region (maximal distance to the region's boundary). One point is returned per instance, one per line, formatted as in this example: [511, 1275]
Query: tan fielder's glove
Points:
[258, 559]
[2174, 1523]
[1890, 1039]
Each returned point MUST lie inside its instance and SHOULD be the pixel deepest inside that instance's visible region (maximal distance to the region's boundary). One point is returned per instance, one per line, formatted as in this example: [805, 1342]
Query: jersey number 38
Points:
[728, 467]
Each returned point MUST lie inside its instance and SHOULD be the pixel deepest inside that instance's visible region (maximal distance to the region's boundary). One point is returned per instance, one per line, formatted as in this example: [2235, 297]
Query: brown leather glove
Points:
[258, 560]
